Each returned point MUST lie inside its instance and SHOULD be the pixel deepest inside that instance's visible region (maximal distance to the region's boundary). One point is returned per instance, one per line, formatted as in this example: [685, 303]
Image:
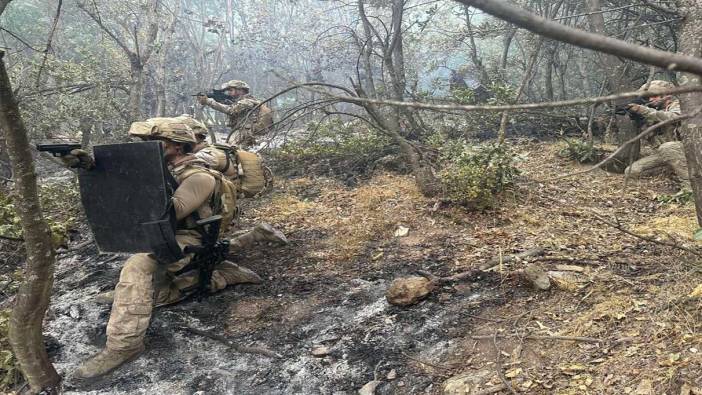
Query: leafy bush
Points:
[333, 149]
[474, 176]
[59, 203]
[9, 369]
[683, 196]
[581, 151]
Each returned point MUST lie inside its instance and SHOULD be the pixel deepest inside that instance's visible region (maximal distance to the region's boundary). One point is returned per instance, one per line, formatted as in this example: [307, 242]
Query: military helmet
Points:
[163, 128]
[236, 84]
[656, 86]
[198, 128]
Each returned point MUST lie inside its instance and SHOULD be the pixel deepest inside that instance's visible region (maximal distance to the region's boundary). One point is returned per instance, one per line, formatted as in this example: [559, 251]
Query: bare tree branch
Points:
[48, 41]
[554, 30]
[526, 106]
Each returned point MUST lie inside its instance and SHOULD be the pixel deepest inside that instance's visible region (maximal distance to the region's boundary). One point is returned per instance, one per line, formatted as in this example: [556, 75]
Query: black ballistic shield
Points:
[126, 189]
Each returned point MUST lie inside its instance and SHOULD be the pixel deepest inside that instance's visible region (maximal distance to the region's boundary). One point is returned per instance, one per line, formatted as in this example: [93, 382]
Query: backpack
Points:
[264, 121]
[254, 176]
[224, 197]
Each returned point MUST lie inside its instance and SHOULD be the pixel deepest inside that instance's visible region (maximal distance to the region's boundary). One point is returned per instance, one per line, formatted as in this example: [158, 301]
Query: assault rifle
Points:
[634, 116]
[208, 255]
[219, 95]
[58, 149]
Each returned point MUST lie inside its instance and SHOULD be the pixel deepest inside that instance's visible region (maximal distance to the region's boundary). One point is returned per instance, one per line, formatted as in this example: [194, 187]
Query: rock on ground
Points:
[406, 291]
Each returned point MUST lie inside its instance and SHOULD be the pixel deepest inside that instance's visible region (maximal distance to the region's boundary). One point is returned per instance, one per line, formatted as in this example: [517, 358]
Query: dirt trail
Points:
[326, 288]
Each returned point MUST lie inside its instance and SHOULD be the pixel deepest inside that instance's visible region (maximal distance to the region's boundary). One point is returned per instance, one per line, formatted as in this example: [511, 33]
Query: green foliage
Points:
[476, 175]
[334, 148]
[581, 151]
[9, 369]
[683, 196]
[60, 207]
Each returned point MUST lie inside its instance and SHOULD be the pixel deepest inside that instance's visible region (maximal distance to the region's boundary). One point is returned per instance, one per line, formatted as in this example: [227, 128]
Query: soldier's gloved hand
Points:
[202, 99]
[637, 108]
[78, 158]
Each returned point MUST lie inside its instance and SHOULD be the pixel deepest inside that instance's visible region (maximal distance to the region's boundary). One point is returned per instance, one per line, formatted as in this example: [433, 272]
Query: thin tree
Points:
[33, 295]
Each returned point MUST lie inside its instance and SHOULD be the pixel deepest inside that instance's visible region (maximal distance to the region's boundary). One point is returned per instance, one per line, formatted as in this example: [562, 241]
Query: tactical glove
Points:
[637, 108]
[78, 158]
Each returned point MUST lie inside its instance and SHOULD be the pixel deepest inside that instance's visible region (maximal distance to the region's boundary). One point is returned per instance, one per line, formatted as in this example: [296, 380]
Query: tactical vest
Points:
[222, 201]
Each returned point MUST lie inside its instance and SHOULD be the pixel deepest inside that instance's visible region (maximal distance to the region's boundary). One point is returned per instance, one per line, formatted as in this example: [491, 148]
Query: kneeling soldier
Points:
[136, 292]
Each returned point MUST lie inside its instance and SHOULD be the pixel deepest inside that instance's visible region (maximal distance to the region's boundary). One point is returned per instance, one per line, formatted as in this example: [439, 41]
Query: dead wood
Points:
[76, 248]
[622, 229]
[492, 390]
[542, 337]
[498, 365]
[469, 274]
[229, 343]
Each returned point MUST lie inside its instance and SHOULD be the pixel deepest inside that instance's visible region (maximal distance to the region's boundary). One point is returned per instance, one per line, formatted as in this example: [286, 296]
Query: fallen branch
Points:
[622, 229]
[227, 342]
[491, 390]
[534, 252]
[577, 261]
[498, 365]
[10, 238]
[544, 337]
[426, 363]
[76, 248]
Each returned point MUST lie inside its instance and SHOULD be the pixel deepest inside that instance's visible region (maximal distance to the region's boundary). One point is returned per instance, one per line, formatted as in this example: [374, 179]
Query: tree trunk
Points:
[690, 44]
[136, 90]
[33, 295]
[506, 43]
[477, 62]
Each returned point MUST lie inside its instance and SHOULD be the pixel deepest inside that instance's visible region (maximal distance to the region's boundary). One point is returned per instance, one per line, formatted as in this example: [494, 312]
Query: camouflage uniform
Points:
[668, 150]
[143, 282]
[654, 115]
[247, 117]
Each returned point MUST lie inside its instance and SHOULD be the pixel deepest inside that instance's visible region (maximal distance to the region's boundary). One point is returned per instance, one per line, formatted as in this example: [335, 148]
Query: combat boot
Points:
[105, 297]
[105, 362]
[262, 232]
[236, 274]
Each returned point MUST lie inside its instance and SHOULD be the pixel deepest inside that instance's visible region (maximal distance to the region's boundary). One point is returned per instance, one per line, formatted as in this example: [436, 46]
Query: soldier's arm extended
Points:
[192, 193]
[234, 109]
[654, 116]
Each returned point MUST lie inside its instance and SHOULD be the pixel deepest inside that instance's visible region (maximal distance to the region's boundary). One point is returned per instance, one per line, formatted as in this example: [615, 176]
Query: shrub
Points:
[683, 196]
[9, 369]
[59, 203]
[474, 176]
[333, 149]
[581, 151]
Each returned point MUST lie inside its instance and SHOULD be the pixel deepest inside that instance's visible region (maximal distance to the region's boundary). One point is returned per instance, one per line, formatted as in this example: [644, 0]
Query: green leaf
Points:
[698, 234]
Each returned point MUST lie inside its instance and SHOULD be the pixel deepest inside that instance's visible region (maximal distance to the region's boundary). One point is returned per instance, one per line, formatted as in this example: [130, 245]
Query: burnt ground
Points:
[625, 299]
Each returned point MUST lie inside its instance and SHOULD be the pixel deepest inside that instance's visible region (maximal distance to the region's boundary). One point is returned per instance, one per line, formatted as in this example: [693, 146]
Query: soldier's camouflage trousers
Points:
[143, 283]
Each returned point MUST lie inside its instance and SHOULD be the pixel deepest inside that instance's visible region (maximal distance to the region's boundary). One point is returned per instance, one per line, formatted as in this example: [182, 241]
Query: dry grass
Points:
[351, 218]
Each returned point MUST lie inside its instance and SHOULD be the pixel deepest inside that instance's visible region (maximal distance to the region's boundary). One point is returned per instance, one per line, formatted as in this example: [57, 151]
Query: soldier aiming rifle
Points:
[248, 116]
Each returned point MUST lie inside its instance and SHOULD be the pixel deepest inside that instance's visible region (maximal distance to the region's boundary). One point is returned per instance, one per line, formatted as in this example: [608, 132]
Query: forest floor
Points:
[625, 300]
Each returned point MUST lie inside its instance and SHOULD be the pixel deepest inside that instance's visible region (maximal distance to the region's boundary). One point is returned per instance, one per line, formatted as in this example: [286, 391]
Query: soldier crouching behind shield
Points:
[222, 159]
[136, 292]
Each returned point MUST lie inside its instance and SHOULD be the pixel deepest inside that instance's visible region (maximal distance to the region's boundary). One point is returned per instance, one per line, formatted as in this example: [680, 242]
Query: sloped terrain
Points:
[617, 318]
